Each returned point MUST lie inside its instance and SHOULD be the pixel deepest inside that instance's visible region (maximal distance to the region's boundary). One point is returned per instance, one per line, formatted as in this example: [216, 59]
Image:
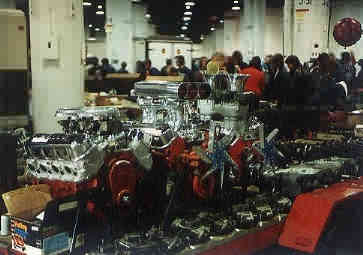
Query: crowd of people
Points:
[283, 80]
[95, 69]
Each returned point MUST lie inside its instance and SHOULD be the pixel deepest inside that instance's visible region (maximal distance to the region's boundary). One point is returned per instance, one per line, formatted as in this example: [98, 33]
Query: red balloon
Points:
[347, 32]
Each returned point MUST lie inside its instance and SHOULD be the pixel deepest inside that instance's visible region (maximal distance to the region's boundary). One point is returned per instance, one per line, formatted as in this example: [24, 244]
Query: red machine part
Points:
[250, 243]
[122, 178]
[61, 189]
[311, 211]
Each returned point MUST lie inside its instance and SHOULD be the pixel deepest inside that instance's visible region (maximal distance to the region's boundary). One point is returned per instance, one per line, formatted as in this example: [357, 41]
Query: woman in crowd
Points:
[256, 81]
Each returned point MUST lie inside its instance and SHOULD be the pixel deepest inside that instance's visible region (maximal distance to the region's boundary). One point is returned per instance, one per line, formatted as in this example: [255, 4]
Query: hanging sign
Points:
[304, 4]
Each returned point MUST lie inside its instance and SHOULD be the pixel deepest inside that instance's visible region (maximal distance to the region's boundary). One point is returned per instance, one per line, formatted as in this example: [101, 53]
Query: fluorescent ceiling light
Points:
[187, 18]
[147, 15]
[202, 37]
[182, 35]
[184, 27]
[235, 2]
[188, 13]
[90, 25]
[190, 3]
[99, 6]
[91, 39]
[221, 21]
[97, 29]
[236, 8]
[212, 29]
[100, 12]
[86, 3]
[187, 7]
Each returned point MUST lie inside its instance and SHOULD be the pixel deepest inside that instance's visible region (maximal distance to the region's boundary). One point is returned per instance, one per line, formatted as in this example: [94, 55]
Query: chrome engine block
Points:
[65, 157]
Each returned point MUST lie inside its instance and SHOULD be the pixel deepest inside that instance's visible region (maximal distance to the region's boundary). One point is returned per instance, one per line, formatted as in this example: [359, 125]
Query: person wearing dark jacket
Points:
[276, 89]
[106, 68]
[237, 60]
[123, 68]
[329, 93]
[300, 87]
[151, 70]
[182, 69]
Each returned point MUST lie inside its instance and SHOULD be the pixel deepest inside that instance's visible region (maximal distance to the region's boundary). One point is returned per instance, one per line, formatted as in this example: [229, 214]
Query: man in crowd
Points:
[182, 69]
[123, 68]
[165, 70]
[106, 67]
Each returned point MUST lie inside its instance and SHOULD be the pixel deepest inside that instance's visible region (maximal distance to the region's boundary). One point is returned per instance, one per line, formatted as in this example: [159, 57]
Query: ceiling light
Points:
[91, 38]
[190, 3]
[136, 1]
[184, 27]
[147, 15]
[86, 3]
[188, 13]
[235, 2]
[221, 21]
[90, 25]
[212, 29]
[97, 29]
[100, 12]
[187, 18]
[236, 8]
[187, 7]
[202, 37]
[182, 35]
[99, 6]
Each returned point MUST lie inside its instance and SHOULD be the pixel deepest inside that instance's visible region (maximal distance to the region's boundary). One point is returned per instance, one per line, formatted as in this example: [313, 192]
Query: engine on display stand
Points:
[187, 167]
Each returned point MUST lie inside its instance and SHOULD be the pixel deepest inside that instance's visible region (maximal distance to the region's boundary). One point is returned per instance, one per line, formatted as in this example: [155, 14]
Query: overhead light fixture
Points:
[212, 29]
[100, 12]
[97, 29]
[184, 27]
[182, 35]
[99, 6]
[136, 1]
[147, 15]
[87, 3]
[188, 13]
[187, 18]
[236, 8]
[235, 2]
[90, 25]
[221, 21]
[202, 37]
[91, 38]
[188, 7]
[189, 3]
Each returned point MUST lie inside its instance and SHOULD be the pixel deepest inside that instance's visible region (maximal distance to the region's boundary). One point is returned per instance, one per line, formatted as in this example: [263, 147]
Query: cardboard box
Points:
[40, 225]
[27, 202]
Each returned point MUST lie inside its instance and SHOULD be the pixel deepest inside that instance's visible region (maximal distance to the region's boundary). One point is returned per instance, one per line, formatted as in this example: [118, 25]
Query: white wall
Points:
[228, 37]
[57, 82]
[273, 31]
[96, 49]
[346, 9]
[210, 44]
